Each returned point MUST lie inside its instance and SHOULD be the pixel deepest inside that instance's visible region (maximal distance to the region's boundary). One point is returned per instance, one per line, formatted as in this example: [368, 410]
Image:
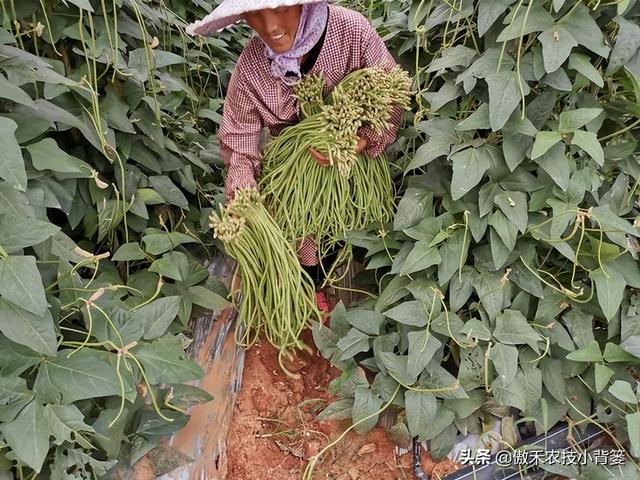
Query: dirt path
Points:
[274, 431]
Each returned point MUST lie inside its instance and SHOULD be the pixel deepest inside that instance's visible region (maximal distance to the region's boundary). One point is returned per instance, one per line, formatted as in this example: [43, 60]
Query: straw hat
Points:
[230, 12]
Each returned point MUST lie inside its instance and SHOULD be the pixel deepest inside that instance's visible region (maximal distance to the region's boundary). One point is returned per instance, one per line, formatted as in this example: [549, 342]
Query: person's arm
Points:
[376, 54]
[239, 136]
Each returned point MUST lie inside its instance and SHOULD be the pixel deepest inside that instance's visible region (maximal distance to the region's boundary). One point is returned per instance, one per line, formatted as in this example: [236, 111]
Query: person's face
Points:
[276, 26]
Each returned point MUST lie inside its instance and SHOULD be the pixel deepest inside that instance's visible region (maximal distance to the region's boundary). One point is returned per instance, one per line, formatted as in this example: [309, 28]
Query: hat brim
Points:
[231, 11]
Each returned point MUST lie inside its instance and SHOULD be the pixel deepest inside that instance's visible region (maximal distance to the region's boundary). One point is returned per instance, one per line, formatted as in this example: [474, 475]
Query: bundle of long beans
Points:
[309, 200]
[277, 294]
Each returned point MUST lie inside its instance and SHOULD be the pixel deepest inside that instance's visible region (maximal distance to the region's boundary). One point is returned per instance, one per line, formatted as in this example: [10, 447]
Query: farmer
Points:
[293, 38]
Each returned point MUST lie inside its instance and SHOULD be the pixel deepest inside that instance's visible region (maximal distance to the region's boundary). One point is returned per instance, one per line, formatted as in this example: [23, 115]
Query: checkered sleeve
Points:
[239, 135]
[376, 54]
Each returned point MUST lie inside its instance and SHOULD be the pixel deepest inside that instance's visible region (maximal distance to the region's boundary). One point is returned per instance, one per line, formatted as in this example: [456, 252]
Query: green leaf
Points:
[365, 404]
[610, 289]
[469, 166]
[397, 367]
[421, 408]
[627, 44]
[157, 316]
[65, 424]
[14, 395]
[169, 192]
[422, 347]
[28, 435]
[474, 328]
[543, 142]
[514, 206]
[83, 4]
[366, 321]
[582, 25]
[15, 236]
[174, 265]
[353, 343]
[535, 19]
[87, 373]
[602, 375]
[427, 152]
[13, 92]
[553, 379]
[164, 361]
[409, 313]
[478, 120]
[512, 328]
[488, 12]
[557, 166]
[47, 155]
[35, 331]
[338, 410]
[504, 96]
[421, 257]
[587, 353]
[458, 56]
[582, 64]
[11, 163]
[622, 391]
[557, 44]
[571, 120]
[446, 94]
[393, 292]
[510, 394]
[21, 284]
[454, 253]
[490, 292]
[205, 298]
[460, 289]
[633, 430]
[614, 353]
[128, 252]
[588, 141]
[505, 361]
[158, 243]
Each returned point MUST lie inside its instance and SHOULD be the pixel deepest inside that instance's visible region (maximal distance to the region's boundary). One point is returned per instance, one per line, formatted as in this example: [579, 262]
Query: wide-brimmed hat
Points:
[230, 12]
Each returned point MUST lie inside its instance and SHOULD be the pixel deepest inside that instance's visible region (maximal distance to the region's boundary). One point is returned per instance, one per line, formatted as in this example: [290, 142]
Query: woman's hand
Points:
[325, 162]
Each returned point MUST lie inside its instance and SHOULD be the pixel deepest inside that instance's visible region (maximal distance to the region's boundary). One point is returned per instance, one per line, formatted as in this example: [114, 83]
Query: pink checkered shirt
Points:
[255, 99]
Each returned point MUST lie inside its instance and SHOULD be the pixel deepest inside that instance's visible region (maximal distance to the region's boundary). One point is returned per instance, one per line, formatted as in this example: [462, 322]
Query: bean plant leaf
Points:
[512, 329]
[34, 331]
[505, 361]
[28, 435]
[84, 374]
[610, 289]
[21, 283]
[587, 353]
[627, 44]
[505, 92]
[543, 142]
[557, 44]
[572, 120]
[488, 12]
[365, 406]
[157, 316]
[469, 166]
[11, 164]
[622, 391]
[588, 141]
[164, 361]
[421, 410]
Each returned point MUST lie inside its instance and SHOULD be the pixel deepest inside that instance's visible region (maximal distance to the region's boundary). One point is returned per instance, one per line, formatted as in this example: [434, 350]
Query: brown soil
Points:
[274, 430]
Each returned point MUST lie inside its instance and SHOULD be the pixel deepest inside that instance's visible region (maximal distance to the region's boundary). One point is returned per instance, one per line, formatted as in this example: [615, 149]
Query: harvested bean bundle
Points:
[278, 296]
[307, 199]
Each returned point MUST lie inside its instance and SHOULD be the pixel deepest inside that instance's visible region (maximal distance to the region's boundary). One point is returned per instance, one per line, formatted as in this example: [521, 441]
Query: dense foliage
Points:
[108, 168]
[507, 283]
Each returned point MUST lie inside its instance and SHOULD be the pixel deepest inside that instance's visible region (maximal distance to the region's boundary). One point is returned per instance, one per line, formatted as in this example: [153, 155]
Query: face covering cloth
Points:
[313, 20]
